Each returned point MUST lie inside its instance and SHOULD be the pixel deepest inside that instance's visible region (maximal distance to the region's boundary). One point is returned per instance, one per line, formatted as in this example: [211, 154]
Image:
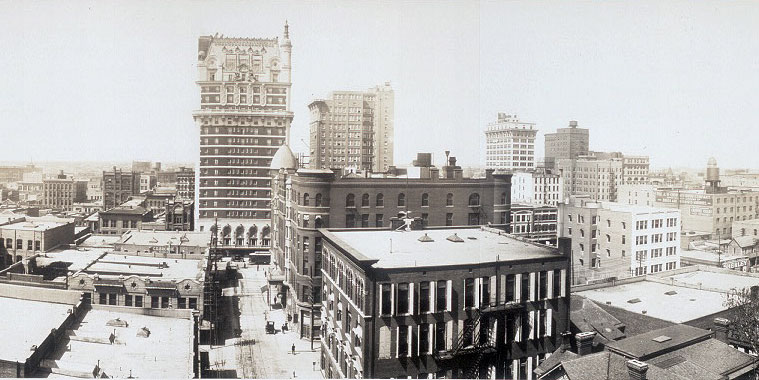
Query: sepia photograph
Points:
[379, 189]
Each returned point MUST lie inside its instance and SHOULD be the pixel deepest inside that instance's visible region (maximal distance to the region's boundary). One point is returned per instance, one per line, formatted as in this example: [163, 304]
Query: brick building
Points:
[535, 223]
[186, 183]
[566, 143]
[128, 216]
[304, 200]
[31, 236]
[439, 302]
[180, 215]
[118, 186]
[61, 192]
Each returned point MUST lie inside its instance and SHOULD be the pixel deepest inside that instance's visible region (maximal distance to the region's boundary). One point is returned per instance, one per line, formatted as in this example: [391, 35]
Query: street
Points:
[256, 354]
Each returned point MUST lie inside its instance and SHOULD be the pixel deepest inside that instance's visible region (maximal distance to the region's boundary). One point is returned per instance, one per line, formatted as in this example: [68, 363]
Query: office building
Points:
[185, 183]
[614, 241]
[442, 302]
[637, 194]
[510, 143]
[536, 223]
[353, 129]
[61, 192]
[244, 116]
[537, 187]
[305, 200]
[119, 186]
[566, 143]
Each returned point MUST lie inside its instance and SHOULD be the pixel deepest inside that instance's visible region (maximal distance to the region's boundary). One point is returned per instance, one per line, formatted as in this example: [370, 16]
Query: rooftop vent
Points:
[634, 300]
[671, 293]
[455, 238]
[471, 238]
[661, 339]
[143, 332]
[425, 238]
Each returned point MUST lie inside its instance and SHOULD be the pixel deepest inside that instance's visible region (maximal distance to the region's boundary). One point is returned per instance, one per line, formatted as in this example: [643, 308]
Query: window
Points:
[365, 220]
[138, 301]
[543, 285]
[425, 200]
[441, 294]
[403, 340]
[128, 300]
[449, 199]
[378, 220]
[401, 200]
[510, 281]
[350, 221]
[19, 244]
[449, 219]
[474, 218]
[403, 295]
[380, 200]
[8, 243]
[474, 199]
[318, 200]
[556, 283]
[424, 338]
[440, 336]
[469, 292]
[305, 199]
[425, 219]
[424, 297]
[365, 200]
[350, 200]
[503, 198]
[29, 245]
[182, 303]
[525, 287]
[387, 299]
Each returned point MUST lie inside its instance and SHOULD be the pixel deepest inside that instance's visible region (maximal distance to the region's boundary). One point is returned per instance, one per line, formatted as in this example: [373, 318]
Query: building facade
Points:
[118, 186]
[180, 215]
[591, 176]
[24, 239]
[186, 183]
[61, 192]
[128, 216]
[168, 244]
[244, 117]
[537, 187]
[640, 194]
[304, 200]
[510, 144]
[353, 129]
[613, 241]
[536, 223]
[566, 143]
[457, 303]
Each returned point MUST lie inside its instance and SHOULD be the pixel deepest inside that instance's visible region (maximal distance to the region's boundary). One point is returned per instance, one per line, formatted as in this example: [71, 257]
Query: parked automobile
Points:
[270, 327]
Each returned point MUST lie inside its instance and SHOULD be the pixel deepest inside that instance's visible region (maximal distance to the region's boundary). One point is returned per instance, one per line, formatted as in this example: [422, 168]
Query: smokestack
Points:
[565, 341]
[637, 369]
[585, 342]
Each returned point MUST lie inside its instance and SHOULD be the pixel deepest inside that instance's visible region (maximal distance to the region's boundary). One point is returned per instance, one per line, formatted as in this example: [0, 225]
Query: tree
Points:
[743, 317]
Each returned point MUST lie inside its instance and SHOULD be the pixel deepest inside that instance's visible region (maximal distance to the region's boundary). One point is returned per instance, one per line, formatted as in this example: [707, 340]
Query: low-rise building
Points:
[171, 244]
[128, 216]
[636, 194]
[440, 302]
[62, 192]
[180, 215]
[536, 223]
[30, 236]
[614, 241]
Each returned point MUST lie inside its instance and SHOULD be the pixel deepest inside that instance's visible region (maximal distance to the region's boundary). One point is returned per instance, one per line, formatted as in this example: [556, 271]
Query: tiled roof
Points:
[635, 323]
[643, 346]
[586, 316]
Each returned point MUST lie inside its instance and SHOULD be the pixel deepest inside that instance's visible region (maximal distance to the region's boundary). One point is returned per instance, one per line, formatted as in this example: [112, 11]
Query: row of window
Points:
[20, 244]
[156, 302]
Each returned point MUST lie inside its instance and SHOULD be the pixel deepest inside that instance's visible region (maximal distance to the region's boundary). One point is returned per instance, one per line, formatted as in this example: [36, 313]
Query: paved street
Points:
[256, 354]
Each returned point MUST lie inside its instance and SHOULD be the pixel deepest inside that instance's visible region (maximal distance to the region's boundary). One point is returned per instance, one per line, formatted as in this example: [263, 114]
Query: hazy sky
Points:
[116, 80]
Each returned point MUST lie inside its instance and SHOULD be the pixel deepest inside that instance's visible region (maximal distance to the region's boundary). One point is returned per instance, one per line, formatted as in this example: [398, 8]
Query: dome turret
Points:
[283, 159]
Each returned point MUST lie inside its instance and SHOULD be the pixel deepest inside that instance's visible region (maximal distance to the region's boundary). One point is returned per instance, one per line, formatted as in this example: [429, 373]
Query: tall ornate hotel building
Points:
[353, 129]
[510, 144]
[244, 117]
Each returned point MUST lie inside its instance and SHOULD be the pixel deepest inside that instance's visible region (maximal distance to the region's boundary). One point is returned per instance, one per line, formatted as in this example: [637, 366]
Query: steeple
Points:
[287, 30]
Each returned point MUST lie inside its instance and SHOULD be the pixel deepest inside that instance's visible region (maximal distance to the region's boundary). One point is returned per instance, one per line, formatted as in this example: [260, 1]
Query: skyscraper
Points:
[244, 117]
[353, 129]
[510, 144]
[568, 142]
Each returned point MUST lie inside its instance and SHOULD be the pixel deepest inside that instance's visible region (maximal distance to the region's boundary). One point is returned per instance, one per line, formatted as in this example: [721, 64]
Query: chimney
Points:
[720, 329]
[585, 342]
[637, 369]
[573, 124]
[566, 336]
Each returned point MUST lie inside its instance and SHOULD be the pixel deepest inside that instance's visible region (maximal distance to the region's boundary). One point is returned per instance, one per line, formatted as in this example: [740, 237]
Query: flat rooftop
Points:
[636, 209]
[161, 238]
[27, 323]
[170, 339]
[711, 256]
[37, 225]
[685, 304]
[77, 259]
[447, 246]
[722, 282]
[100, 241]
[114, 264]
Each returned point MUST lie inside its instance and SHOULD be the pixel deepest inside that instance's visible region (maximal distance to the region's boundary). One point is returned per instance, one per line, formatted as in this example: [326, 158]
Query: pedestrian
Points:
[293, 350]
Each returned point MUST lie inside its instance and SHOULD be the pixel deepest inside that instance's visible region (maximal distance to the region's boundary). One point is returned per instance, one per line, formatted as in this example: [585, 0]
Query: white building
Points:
[536, 188]
[640, 194]
[510, 144]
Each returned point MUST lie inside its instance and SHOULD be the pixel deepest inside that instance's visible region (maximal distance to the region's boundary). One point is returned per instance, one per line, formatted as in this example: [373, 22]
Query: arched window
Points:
[401, 200]
[318, 200]
[318, 222]
[503, 198]
[474, 199]
[380, 200]
[449, 199]
[365, 200]
[305, 199]
[425, 200]
[350, 200]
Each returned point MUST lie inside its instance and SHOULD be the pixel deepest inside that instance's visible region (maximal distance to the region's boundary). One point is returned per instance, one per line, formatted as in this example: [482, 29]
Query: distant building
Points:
[537, 187]
[600, 174]
[244, 116]
[10, 174]
[566, 143]
[185, 183]
[61, 192]
[714, 209]
[147, 182]
[534, 223]
[353, 129]
[142, 166]
[510, 144]
[31, 193]
[442, 302]
[180, 215]
[127, 216]
[304, 200]
[639, 194]
[118, 186]
[30, 236]
[614, 241]
[95, 190]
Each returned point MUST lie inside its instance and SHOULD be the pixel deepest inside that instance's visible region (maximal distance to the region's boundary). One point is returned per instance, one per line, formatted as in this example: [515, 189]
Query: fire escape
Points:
[476, 343]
